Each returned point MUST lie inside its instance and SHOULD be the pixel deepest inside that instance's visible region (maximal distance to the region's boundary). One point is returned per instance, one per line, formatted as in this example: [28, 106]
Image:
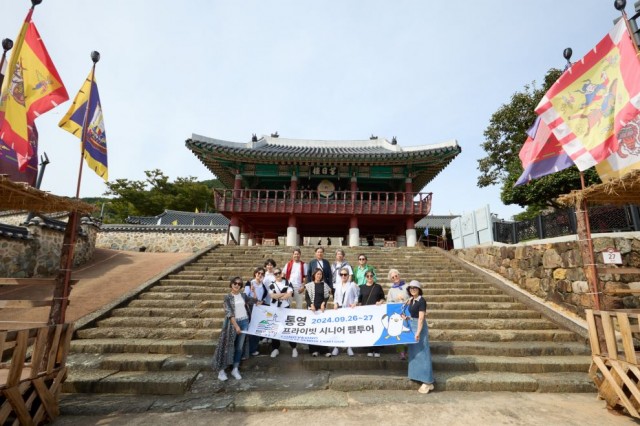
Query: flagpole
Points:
[7, 44]
[70, 236]
[592, 274]
[620, 5]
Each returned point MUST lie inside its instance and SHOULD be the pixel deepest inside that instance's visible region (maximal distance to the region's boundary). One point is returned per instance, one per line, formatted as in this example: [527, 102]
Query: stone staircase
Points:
[481, 339]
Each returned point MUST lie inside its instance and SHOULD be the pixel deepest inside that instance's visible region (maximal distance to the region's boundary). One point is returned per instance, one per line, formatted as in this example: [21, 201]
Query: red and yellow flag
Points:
[31, 87]
[594, 99]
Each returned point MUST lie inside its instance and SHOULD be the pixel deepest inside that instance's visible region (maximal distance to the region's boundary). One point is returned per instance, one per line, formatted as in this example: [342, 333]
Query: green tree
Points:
[156, 194]
[504, 138]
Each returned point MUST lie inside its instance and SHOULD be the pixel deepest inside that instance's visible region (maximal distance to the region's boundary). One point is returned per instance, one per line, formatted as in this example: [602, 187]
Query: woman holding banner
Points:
[420, 368]
[371, 293]
[317, 298]
[281, 292]
[346, 295]
[237, 309]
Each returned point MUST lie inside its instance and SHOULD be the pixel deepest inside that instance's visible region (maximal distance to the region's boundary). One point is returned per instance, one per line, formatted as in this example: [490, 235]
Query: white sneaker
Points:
[335, 352]
[370, 354]
[426, 388]
[328, 354]
[275, 353]
[349, 351]
[256, 353]
[236, 374]
[294, 353]
[376, 354]
[222, 376]
[315, 354]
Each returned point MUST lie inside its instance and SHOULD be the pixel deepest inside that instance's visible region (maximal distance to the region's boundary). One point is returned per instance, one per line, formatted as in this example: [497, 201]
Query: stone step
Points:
[468, 382]
[171, 303]
[474, 306]
[180, 322]
[151, 346]
[175, 382]
[167, 312]
[491, 324]
[148, 333]
[435, 334]
[167, 347]
[169, 362]
[481, 314]
[513, 335]
[129, 382]
[480, 298]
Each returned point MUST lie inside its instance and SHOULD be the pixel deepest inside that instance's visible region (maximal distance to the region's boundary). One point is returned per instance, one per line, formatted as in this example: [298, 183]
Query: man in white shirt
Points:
[295, 271]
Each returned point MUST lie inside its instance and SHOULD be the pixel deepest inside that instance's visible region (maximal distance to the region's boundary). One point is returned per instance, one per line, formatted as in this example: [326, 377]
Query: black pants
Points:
[275, 344]
[321, 349]
[374, 349]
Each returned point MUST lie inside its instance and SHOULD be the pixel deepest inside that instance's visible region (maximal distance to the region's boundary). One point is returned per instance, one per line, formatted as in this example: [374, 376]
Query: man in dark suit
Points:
[320, 262]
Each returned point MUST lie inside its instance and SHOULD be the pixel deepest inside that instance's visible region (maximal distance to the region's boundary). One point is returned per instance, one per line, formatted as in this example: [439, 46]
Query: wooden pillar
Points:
[586, 249]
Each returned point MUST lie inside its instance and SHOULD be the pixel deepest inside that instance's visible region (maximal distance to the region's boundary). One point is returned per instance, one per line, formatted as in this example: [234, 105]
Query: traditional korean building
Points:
[346, 189]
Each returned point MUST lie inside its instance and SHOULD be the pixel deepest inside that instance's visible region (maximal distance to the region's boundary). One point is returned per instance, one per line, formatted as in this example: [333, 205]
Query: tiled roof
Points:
[11, 231]
[178, 218]
[214, 153]
[435, 222]
[160, 228]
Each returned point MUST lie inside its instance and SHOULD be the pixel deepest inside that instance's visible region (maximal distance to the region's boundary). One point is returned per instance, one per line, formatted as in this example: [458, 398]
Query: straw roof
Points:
[624, 190]
[20, 196]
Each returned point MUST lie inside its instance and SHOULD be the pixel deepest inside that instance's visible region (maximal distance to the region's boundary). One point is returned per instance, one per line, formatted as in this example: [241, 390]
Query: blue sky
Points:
[422, 71]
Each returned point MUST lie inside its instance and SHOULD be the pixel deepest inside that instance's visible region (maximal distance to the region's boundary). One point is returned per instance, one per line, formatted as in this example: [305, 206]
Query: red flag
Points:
[32, 87]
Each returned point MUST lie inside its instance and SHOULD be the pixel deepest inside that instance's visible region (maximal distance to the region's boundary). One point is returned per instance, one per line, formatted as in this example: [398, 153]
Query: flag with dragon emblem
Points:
[595, 99]
[32, 87]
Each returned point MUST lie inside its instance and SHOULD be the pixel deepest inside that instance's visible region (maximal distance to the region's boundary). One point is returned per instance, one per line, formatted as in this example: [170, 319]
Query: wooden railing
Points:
[614, 361]
[336, 202]
[32, 370]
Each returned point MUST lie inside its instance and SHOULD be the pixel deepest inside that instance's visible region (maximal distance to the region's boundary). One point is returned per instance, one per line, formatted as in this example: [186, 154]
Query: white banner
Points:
[374, 325]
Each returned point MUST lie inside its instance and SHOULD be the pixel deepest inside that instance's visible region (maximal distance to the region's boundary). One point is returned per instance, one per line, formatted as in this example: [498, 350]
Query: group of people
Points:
[316, 282]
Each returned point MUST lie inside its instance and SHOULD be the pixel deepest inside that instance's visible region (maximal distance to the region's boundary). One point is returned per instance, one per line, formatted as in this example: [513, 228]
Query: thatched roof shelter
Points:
[624, 190]
[20, 196]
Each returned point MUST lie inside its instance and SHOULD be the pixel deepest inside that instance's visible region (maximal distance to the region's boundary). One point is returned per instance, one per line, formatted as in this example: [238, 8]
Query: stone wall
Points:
[39, 254]
[554, 271]
[161, 238]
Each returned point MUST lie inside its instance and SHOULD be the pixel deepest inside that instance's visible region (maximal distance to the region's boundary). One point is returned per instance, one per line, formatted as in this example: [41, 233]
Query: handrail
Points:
[313, 201]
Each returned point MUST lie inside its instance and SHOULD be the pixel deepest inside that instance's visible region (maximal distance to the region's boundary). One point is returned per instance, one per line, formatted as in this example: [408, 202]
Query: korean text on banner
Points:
[363, 326]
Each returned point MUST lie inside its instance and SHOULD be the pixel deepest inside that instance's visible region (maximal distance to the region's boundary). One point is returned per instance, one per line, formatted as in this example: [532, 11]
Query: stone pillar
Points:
[354, 231]
[251, 241]
[411, 233]
[292, 232]
[234, 229]
[243, 236]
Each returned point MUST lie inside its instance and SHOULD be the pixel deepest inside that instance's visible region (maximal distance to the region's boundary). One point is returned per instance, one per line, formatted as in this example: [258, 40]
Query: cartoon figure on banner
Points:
[394, 325]
[268, 327]
[606, 108]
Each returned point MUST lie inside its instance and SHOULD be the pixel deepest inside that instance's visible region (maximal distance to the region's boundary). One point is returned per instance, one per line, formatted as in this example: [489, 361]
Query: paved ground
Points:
[109, 275]
[112, 274]
[371, 408]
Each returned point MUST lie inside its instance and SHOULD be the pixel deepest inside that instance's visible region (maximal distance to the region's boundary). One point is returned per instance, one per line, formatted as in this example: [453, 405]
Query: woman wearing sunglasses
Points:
[371, 293]
[281, 292]
[237, 309]
[346, 295]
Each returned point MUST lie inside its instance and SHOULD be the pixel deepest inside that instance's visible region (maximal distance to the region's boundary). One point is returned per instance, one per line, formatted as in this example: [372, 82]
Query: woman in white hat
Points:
[420, 368]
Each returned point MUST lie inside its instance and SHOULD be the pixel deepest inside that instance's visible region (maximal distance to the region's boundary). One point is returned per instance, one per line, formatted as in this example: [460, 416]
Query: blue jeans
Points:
[420, 368]
[239, 342]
